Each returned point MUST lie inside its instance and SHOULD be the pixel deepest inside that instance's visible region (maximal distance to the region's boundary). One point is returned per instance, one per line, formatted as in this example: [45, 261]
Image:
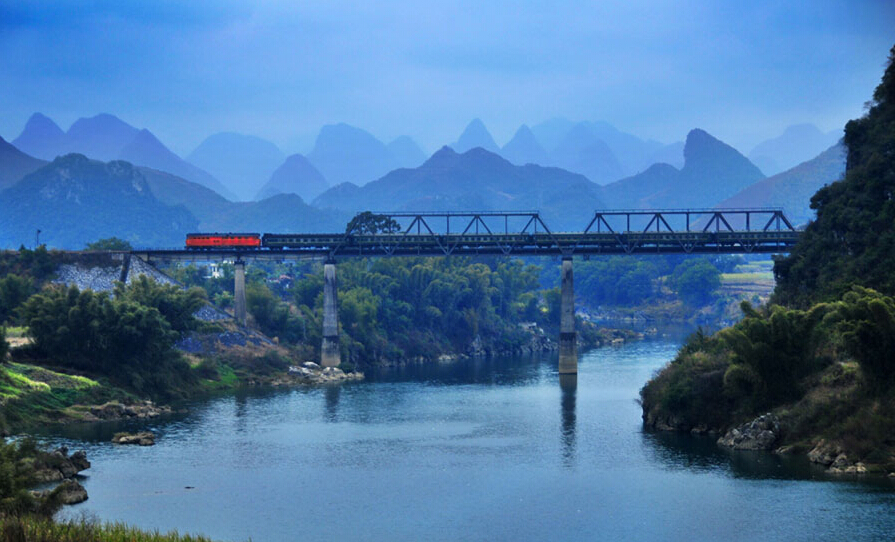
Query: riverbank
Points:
[787, 381]
[467, 433]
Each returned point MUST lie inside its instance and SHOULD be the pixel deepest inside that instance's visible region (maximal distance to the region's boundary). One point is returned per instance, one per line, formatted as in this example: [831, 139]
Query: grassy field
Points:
[749, 280]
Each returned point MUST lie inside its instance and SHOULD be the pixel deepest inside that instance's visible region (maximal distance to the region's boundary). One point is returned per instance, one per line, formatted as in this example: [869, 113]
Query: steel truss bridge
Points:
[525, 233]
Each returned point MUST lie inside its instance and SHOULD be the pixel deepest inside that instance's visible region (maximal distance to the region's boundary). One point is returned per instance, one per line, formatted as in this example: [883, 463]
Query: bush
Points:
[866, 320]
[110, 243]
[14, 290]
[130, 343]
[175, 304]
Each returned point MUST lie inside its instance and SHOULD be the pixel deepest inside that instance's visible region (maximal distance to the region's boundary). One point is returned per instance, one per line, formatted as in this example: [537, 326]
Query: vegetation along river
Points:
[472, 450]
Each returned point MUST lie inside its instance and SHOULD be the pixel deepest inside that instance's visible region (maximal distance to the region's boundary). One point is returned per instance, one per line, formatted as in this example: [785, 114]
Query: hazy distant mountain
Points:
[713, 171]
[74, 200]
[633, 154]
[199, 200]
[669, 154]
[15, 164]
[582, 151]
[146, 150]
[792, 189]
[343, 153]
[798, 143]
[242, 163]
[475, 135]
[100, 137]
[296, 176]
[106, 137]
[634, 192]
[550, 133]
[475, 180]
[40, 138]
[281, 213]
[524, 148]
[406, 152]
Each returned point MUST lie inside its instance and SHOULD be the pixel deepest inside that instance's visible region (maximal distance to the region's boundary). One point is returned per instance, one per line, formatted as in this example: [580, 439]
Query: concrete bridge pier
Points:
[330, 353]
[239, 291]
[568, 341]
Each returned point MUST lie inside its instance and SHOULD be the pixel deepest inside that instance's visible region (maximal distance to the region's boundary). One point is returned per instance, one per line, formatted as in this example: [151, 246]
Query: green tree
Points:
[853, 239]
[14, 290]
[109, 243]
[129, 343]
[369, 222]
[866, 320]
[695, 281]
[4, 346]
[174, 303]
[772, 351]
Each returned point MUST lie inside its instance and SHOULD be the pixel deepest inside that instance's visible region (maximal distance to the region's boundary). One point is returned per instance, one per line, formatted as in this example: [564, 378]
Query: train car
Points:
[199, 241]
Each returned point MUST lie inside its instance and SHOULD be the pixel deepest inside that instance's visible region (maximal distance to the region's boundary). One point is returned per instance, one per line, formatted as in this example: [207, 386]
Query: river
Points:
[472, 450]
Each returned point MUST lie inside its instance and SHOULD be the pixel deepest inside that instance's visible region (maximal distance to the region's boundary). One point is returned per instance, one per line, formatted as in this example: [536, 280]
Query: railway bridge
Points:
[511, 233]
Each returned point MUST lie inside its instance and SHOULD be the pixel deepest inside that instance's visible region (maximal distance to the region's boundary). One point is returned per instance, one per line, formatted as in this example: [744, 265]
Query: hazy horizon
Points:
[279, 72]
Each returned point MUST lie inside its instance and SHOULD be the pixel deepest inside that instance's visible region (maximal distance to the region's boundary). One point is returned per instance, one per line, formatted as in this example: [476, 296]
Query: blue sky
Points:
[280, 69]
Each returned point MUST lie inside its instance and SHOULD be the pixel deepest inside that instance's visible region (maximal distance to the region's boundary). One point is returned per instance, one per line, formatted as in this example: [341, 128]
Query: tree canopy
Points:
[853, 239]
[369, 222]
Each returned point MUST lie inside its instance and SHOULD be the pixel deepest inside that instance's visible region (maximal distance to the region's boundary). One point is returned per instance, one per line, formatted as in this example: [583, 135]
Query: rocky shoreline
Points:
[58, 466]
[767, 433]
[311, 373]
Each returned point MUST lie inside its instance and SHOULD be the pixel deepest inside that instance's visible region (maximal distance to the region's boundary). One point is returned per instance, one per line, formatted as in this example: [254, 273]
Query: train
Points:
[247, 241]
[199, 241]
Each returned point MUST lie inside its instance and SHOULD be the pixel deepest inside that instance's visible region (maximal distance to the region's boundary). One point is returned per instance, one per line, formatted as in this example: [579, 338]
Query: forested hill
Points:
[852, 241]
[820, 359]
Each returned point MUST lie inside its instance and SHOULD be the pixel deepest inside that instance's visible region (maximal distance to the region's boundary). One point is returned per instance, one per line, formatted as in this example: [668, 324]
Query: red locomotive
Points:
[223, 240]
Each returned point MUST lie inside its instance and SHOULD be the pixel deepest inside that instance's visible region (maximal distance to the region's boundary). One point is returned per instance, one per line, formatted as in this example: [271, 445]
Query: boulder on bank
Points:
[759, 434]
[824, 453]
[143, 438]
[58, 465]
[71, 492]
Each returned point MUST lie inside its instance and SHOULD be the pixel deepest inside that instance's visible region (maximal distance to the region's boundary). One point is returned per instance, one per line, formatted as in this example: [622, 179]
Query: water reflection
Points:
[684, 452]
[240, 410]
[496, 370]
[332, 394]
[569, 386]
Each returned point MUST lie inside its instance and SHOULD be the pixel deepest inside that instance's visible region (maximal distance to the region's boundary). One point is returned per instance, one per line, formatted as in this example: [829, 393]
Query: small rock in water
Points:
[143, 438]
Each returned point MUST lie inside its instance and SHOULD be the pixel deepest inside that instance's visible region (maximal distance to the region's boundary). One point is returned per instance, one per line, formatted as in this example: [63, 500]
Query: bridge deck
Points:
[330, 245]
[609, 232]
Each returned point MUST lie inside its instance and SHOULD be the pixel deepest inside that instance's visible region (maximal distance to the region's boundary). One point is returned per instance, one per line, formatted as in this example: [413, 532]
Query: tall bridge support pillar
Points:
[239, 291]
[330, 354]
[568, 341]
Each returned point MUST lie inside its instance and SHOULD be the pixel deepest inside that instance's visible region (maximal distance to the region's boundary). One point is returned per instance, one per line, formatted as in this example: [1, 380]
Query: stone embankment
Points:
[100, 271]
[311, 373]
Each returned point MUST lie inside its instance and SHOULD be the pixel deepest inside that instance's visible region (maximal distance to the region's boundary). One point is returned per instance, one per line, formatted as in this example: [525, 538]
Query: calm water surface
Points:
[478, 450]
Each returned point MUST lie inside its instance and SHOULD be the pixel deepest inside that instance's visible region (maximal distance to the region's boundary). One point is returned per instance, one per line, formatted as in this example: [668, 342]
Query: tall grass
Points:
[34, 529]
